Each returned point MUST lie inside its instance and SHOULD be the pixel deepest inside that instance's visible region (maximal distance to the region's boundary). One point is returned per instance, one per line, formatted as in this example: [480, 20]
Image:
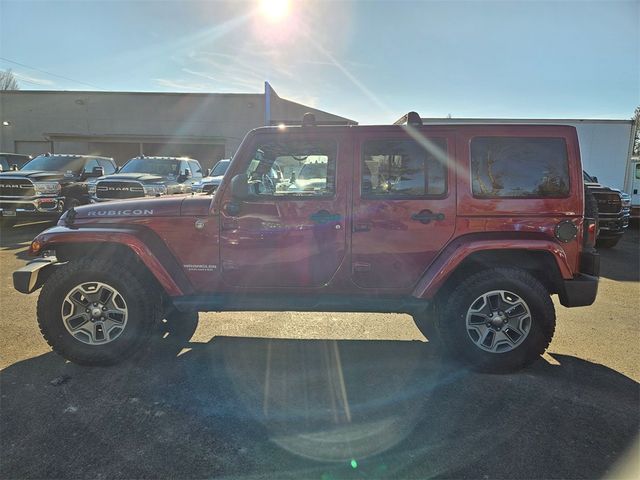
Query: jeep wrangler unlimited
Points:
[475, 226]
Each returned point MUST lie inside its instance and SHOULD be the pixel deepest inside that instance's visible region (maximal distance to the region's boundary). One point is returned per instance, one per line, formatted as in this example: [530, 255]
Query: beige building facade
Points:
[204, 126]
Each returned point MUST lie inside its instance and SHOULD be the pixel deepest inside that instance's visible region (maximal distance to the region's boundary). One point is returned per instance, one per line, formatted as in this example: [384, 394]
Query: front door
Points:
[290, 231]
[404, 206]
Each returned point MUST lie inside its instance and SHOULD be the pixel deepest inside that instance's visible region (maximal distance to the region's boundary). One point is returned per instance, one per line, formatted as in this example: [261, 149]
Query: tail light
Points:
[590, 229]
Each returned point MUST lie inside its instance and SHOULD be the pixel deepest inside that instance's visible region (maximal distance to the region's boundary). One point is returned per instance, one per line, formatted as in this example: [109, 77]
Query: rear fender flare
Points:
[457, 251]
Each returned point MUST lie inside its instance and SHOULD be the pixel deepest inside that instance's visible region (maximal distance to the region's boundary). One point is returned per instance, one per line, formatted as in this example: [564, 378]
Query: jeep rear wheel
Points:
[94, 312]
[498, 320]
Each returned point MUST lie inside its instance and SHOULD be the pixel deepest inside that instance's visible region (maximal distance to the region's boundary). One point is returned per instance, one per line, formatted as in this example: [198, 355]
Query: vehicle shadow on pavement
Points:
[19, 237]
[622, 262]
[268, 408]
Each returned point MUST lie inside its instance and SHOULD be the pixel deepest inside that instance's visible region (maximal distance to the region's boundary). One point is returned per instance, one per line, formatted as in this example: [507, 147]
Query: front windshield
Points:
[154, 166]
[55, 163]
[220, 168]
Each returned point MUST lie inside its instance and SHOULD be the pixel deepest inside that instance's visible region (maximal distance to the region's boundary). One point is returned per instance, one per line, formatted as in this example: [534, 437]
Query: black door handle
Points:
[323, 216]
[425, 216]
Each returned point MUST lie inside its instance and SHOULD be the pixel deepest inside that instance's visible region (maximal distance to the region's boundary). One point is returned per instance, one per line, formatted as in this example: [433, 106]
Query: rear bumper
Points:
[582, 289]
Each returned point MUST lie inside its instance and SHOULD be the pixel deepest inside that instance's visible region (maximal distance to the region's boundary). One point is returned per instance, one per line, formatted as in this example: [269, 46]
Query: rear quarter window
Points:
[519, 167]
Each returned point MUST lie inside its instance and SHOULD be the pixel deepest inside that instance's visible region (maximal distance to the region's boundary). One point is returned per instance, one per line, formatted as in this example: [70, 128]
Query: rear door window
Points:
[519, 167]
[400, 168]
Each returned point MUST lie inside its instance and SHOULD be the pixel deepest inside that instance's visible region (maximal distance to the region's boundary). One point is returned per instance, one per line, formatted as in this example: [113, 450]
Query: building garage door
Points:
[119, 151]
[33, 148]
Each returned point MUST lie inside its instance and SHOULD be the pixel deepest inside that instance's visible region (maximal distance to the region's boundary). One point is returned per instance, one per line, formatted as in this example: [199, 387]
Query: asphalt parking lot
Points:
[324, 396]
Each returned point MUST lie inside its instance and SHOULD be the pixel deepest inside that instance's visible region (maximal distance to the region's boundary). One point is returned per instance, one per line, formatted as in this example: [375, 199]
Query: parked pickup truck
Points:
[212, 181]
[614, 212]
[48, 185]
[474, 227]
[147, 177]
[13, 161]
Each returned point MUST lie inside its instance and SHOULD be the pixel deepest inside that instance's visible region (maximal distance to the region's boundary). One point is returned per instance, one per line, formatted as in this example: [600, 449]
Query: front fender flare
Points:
[460, 249]
[166, 271]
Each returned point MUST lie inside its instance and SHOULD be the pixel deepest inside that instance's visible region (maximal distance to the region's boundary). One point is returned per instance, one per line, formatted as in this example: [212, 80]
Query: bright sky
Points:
[367, 60]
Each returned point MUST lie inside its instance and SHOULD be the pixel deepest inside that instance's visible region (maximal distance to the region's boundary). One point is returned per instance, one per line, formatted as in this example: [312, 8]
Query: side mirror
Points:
[97, 172]
[240, 187]
[595, 179]
[14, 167]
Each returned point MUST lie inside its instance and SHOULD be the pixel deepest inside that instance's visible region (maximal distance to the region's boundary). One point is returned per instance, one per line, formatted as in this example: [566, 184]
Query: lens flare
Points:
[275, 10]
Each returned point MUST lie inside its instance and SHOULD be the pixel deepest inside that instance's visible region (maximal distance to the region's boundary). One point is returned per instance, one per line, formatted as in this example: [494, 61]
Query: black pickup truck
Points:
[614, 211]
[147, 177]
[48, 185]
[13, 161]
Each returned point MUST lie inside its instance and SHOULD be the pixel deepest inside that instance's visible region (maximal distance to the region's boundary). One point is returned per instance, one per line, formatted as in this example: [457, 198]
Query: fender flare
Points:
[143, 243]
[457, 251]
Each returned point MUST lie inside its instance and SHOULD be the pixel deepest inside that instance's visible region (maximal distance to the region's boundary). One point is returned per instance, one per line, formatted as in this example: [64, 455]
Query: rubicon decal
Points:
[120, 213]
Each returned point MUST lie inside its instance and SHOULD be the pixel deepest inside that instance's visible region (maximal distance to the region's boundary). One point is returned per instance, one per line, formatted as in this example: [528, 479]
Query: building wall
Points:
[120, 124]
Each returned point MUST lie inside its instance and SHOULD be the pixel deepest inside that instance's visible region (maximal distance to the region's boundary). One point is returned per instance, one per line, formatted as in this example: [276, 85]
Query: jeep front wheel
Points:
[498, 320]
[94, 312]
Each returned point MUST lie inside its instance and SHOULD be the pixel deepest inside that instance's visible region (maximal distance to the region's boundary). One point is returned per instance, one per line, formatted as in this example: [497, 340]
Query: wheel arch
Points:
[137, 249]
[539, 263]
[544, 259]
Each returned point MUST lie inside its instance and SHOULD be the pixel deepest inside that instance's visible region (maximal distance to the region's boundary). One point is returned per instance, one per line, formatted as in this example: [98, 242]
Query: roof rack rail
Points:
[411, 118]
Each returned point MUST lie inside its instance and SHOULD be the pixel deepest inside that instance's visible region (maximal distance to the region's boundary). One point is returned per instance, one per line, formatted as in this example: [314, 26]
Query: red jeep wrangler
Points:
[475, 225]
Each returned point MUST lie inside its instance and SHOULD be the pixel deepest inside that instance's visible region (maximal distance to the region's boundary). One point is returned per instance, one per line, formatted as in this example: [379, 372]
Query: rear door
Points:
[289, 232]
[404, 205]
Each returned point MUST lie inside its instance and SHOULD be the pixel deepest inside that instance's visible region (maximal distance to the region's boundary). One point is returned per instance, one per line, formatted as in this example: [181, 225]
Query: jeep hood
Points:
[140, 207]
[140, 177]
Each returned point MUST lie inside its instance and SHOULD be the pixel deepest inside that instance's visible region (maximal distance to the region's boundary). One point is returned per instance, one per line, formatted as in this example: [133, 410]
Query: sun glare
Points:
[275, 10]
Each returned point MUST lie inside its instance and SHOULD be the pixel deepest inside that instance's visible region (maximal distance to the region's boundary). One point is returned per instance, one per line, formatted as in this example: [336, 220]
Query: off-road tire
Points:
[607, 242]
[452, 311]
[142, 299]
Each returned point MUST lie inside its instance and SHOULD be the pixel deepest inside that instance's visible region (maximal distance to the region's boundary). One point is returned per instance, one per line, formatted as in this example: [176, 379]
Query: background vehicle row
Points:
[50, 184]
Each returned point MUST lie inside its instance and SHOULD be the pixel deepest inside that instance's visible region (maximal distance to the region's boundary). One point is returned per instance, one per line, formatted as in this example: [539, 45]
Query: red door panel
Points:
[286, 241]
[395, 239]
